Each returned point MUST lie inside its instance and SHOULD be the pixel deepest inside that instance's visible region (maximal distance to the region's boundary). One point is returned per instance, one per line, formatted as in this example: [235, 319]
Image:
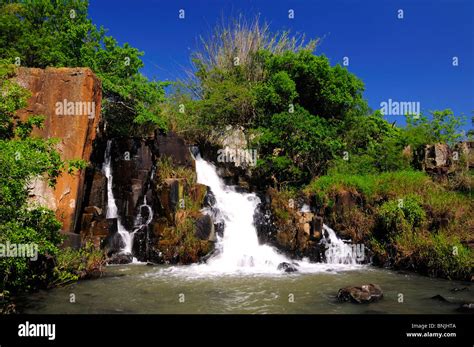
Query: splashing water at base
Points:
[239, 251]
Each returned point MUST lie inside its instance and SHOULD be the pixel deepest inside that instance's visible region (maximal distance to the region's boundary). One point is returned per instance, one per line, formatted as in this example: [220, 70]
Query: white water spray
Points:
[340, 252]
[112, 206]
[239, 249]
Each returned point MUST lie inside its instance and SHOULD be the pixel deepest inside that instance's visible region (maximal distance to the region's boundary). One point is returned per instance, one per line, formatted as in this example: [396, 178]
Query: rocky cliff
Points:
[157, 197]
[70, 100]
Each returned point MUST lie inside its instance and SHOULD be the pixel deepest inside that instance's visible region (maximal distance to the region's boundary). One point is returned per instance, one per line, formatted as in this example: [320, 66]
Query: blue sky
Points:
[407, 59]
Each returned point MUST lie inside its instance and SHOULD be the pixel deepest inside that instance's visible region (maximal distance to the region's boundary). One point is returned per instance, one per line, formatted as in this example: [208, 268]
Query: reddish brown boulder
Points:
[70, 100]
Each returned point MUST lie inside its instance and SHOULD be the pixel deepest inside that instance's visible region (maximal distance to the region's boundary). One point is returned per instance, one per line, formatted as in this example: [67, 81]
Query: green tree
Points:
[41, 33]
[22, 159]
[443, 126]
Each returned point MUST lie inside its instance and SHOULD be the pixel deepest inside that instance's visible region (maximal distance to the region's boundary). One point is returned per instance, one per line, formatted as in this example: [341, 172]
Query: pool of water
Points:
[166, 289]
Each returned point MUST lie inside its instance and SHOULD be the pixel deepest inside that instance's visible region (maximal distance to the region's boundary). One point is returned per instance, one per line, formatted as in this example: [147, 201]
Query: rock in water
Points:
[459, 289]
[466, 308]
[120, 258]
[360, 295]
[439, 298]
[287, 267]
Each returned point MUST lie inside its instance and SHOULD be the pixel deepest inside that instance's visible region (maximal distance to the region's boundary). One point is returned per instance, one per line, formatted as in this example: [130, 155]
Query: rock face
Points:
[74, 125]
[361, 295]
[440, 159]
[157, 198]
[281, 223]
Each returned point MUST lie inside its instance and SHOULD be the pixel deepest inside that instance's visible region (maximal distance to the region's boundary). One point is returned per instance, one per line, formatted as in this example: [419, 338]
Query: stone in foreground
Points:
[287, 267]
[360, 295]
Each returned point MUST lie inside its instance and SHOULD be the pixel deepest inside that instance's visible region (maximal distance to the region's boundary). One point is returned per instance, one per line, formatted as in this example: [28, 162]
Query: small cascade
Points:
[340, 252]
[127, 237]
[139, 222]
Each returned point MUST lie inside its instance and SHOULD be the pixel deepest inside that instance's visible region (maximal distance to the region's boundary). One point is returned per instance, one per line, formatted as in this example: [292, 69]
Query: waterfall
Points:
[338, 251]
[239, 248]
[127, 237]
[138, 224]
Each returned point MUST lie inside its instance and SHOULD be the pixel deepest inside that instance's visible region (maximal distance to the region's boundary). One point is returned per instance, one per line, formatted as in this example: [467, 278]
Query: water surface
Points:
[162, 289]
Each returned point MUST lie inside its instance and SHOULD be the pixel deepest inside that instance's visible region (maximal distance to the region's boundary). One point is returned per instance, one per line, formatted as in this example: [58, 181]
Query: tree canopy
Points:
[42, 33]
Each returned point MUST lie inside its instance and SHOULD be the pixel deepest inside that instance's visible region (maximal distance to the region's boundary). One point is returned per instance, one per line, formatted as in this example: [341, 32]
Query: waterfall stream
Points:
[126, 236]
[239, 251]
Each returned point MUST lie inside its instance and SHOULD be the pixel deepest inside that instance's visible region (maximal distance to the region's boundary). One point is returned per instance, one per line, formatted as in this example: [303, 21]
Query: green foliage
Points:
[23, 159]
[32, 227]
[437, 254]
[294, 103]
[166, 169]
[401, 215]
[372, 145]
[373, 187]
[417, 232]
[443, 127]
[72, 265]
[324, 91]
[43, 33]
[295, 146]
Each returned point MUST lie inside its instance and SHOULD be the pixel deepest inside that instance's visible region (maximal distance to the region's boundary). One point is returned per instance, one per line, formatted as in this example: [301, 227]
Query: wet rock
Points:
[96, 189]
[120, 259]
[439, 298]
[317, 228]
[364, 294]
[459, 289]
[172, 196]
[208, 256]
[205, 228]
[71, 240]
[174, 147]
[209, 199]
[94, 210]
[219, 228]
[112, 244]
[287, 267]
[466, 308]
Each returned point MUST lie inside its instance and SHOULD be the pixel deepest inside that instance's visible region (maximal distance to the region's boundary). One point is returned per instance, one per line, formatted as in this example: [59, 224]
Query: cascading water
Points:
[239, 251]
[340, 252]
[239, 246]
[127, 237]
[139, 223]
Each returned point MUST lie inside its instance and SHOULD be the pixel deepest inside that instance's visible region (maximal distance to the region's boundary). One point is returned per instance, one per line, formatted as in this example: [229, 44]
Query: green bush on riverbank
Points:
[408, 220]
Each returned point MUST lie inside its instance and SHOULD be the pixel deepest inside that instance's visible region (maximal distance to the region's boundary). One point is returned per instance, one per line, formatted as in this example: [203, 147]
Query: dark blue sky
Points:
[406, 59]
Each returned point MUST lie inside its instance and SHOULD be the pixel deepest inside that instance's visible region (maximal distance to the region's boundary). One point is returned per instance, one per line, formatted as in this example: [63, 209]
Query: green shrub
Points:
[402, 214]
[72, 265]
[373, 187]
[437, 254]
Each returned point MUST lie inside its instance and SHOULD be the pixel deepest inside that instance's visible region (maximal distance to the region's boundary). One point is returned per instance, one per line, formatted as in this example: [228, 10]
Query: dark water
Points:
[160, 289]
